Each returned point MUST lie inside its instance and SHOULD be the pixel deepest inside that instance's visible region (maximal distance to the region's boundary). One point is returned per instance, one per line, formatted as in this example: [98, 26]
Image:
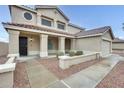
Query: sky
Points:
[85, 16]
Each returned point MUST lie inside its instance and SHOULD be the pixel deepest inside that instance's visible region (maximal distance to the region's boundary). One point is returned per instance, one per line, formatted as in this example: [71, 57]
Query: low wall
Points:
[6, 73]
[66, 61]
[3, 49]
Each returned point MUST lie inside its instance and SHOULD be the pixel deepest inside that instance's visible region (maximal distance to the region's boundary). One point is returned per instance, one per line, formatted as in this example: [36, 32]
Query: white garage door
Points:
[106, 48]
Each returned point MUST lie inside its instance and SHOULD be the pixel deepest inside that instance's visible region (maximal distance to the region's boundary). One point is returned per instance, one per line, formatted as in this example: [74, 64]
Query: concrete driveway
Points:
[91, 76]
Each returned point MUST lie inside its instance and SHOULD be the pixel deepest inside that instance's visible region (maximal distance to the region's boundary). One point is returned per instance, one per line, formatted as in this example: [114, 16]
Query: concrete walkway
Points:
[38, 75]
[90, 77]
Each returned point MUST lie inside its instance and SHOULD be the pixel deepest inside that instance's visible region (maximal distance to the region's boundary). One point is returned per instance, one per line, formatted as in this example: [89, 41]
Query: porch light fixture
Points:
[31, 39]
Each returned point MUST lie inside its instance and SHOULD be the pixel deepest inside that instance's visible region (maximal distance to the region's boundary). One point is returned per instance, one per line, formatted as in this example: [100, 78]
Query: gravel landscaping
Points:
[20, 76]
[52, 65]
[115, 79]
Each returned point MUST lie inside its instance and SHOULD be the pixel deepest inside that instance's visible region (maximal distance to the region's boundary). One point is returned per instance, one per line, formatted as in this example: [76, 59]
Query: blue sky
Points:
[85, 16]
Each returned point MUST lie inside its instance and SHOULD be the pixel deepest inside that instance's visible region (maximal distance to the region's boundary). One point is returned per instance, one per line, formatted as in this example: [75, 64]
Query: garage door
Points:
[106, 46]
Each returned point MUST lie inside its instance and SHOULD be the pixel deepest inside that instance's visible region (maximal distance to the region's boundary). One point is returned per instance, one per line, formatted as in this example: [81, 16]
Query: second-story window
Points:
[61, 25]
[46, 22]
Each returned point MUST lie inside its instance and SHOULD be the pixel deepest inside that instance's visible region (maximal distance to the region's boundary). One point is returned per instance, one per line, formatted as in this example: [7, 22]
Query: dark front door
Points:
[23, 46]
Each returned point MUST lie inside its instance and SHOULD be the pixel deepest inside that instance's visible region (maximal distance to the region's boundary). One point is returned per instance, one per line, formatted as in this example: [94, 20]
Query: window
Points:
[46, 22]
[50, 45]
[61, 25]
[27, 16]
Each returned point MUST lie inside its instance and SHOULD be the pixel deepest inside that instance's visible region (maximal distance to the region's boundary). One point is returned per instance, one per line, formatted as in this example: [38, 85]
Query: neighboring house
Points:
[45, 30]
[118, 45]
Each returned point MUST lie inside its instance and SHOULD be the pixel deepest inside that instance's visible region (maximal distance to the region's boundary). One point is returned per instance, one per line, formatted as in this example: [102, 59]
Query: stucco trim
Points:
[12, 55]
[33, 52]
[43, 54]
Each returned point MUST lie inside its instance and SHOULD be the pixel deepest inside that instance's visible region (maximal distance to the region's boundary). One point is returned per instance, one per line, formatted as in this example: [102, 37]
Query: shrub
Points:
[59, 54]
[72, 53]
[79, 53]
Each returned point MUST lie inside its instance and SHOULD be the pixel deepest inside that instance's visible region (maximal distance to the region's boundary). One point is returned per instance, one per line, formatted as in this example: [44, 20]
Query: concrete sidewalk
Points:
[38, 75]
[90, 77]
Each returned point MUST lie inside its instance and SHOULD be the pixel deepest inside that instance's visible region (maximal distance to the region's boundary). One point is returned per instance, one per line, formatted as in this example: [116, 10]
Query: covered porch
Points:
[23, 44]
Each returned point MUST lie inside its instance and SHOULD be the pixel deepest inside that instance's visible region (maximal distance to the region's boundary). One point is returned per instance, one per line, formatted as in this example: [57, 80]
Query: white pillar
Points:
[43, 45]
[13, 43]
[38, 19]
[73, 44]
[62, 44]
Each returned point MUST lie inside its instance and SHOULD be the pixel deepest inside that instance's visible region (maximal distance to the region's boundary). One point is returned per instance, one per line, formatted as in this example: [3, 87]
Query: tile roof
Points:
[82, 33]
[76, 26]
[93, 31]
[37, 28]
[117, 40]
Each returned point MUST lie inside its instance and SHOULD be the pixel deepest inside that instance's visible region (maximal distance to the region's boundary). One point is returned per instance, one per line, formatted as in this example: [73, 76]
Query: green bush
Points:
[72, 53]
[59, 54]
[79, 53]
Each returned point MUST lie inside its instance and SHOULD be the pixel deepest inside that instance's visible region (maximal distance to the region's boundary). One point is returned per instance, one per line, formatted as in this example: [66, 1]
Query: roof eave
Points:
[112, 35]
[89, 36]
[26, 8]
[75, 26]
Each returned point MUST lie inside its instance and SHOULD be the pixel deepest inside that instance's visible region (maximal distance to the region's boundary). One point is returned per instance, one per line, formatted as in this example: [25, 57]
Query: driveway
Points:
[91, 76]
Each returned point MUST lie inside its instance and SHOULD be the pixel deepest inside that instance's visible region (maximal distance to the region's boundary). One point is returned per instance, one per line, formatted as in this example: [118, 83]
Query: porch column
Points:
[13, 43]
[43, 45]
[38, 19]
[62, 44]
[73, 44]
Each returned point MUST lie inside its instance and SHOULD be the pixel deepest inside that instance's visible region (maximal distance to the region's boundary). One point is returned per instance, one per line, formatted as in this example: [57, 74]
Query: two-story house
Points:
[46, 29]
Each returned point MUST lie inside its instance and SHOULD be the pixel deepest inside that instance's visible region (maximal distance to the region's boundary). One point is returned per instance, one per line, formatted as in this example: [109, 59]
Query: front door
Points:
[23, 46]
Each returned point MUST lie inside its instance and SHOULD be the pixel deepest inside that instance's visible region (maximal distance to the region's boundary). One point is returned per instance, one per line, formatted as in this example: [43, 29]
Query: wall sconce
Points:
[31, 39]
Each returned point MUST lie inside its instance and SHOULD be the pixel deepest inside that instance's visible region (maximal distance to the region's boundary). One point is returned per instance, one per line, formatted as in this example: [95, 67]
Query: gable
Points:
[53, 14]
[17, 15]
[108, 35]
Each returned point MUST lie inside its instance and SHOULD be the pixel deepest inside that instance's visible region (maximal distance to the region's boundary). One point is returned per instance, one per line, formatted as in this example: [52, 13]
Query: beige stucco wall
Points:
[17, 16]
[34, 45]
[73, 30]
[89, 44]
[51, 14]
[3, 48]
